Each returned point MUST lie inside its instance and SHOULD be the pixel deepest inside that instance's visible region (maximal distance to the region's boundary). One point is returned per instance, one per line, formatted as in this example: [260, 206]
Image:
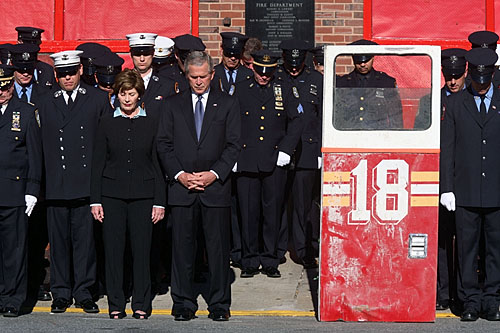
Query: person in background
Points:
[107, 67]
[91, 51]
[252, 45]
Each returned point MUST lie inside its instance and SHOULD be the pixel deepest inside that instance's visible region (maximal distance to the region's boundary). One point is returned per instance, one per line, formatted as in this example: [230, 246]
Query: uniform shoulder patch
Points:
[58, 93]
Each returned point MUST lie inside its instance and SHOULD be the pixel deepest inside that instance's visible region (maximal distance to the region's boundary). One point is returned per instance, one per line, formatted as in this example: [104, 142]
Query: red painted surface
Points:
[365, 270]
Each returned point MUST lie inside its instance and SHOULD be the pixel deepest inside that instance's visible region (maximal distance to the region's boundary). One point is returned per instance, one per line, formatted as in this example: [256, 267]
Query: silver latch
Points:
[417, 246]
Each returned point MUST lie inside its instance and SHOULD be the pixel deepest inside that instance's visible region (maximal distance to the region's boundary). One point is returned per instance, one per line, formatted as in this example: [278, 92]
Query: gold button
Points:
[263, 107]
[361, 108]
[361, 118]
[261, 138]
[262, 128]
[262, 117]
[246, 113]
[362, 98]
[244, 145]
[279, 114]
[17, 138]
[310, 139]
[17, 177]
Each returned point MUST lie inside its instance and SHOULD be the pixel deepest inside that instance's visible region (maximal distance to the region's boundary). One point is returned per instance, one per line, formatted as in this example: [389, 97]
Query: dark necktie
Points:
[70, 100]
[230, 81]
[198, 116]
[24, 95]
[482, 108]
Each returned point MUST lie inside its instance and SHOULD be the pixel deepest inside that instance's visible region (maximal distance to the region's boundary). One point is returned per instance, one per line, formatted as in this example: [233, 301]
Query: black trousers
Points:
[133, 216]
[468, 226]
[235, 223]
[446, 278]
[215, 224]
[38, 239]
[72, 249]
[13, 256]
[303, 223]
[261, 192]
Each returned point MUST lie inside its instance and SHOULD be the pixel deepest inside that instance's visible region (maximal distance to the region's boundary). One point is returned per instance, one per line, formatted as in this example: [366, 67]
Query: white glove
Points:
[319, 162]
[30, 203]
[448, 200]
[283, 159]
[235, 168]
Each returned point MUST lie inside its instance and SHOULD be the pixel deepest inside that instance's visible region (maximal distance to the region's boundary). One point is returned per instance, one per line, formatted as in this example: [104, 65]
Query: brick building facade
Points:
[336, 21]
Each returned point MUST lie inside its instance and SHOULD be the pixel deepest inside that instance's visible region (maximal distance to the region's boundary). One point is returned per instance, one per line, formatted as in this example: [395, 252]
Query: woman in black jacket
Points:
[128, 185]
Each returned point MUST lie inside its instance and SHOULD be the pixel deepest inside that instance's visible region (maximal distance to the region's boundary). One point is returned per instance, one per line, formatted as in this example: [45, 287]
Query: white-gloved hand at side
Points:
[448, 200]
[235, 168]
[283, 159]
[320, 160]
[30, 203]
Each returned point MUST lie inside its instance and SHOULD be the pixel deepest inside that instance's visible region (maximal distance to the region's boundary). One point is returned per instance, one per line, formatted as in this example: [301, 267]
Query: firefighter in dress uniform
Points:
[470, 183]
[69, 118]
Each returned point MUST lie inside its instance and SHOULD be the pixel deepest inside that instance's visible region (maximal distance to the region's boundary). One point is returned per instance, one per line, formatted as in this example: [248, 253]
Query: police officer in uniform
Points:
[318, 58]
[69, 118]
[271, 128]
[44, 73]
[21, 161]
[28, 90]
[5, 54]
[375, 104]
[470, 182]
[230, 71]
[306, 87]
[157, 89]
[91, 51]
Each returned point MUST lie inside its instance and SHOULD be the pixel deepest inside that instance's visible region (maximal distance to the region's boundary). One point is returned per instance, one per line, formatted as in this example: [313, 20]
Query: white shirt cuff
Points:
[178, 174]
[95, 205]
[215, 173]
[155, 206]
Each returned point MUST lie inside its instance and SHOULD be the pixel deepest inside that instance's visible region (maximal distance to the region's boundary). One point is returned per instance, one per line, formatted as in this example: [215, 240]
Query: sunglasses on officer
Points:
[138, 53]
[66, 73]
[449, 77]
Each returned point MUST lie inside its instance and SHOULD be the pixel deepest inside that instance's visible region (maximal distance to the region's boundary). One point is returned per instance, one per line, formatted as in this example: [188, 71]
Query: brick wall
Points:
[337, 21]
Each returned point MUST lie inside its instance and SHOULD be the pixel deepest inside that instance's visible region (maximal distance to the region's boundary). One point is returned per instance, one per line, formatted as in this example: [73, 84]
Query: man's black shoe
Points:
[469, 315]
[493, 314]
[184, 315]
[59, 305]
[310, 263]
[271, 272]
[88, 305]
[236, 264]
[442, 305]
[249, 272]
[43, 295]
[10, 312]
[219, 315]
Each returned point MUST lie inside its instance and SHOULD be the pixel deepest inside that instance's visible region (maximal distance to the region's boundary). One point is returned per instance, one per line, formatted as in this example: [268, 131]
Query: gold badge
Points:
[295, 92]
[16, 121]
[278, 97]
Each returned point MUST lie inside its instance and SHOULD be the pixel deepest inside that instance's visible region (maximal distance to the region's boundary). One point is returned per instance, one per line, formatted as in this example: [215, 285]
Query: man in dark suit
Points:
[27, 89]
[21, 165]
[69, 118]
[198, 144]
[91, 51]
[230, 71]
[374, 104]
[453, 67]
[470, 182]
[271, 128]
[486, 39]
[44, 73]
[306, 87]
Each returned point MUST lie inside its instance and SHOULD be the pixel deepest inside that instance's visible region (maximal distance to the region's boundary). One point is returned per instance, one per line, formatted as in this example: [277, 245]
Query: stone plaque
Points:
[273, 21]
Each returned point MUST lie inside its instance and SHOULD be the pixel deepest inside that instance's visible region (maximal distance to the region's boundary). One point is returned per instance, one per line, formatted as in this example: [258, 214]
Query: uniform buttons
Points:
[261, 138]
[128, 129]
[262, 117]
[17, 178]
[62, 148]
[128, 139]
[279, 114]
[263, 107]
[81, 137]
[17, 138]
[61, 130]
[246, 113]
[60, 139]
[244, 145]
[362, 98]
[484, 157]
[81, 127]
[85, 165]
[483, 174]
[275, 147]
[128, 171]
[310, 139]
[360, 118]
[128, 161]
[128, 150]
[262, 128]
[83, 156]
[484, 142]
[64, 167]
[361, 108]
[62, 157]
[83, 147]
